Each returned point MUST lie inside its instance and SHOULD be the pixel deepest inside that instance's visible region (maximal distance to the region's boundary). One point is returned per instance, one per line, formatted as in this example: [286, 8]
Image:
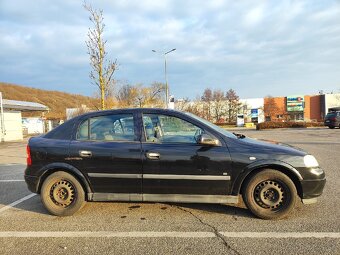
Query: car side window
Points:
[169, 129]
[83, 131]
[119, 127]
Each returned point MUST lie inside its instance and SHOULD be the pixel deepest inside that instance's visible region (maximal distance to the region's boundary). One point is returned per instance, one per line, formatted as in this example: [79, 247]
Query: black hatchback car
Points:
[166, 156]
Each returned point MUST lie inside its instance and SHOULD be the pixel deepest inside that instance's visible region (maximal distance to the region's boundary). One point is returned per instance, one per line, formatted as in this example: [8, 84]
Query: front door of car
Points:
[174, 163]
[107, 150]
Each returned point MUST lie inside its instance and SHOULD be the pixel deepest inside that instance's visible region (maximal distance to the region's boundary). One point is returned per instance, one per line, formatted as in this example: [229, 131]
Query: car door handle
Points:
[153, 155]
[85, 154]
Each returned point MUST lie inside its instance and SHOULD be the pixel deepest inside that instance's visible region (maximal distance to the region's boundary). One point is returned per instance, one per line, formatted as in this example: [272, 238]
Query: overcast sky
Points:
[258, 48]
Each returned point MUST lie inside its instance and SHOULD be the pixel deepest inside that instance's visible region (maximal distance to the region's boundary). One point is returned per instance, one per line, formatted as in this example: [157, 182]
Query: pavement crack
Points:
[214, 229]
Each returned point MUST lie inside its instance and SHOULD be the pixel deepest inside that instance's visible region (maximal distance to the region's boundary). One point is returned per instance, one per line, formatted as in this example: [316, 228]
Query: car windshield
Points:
[211, 125]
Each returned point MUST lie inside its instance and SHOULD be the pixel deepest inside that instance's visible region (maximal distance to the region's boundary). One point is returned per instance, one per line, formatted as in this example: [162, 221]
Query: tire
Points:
[331, 127]
[62, 194]
[270, 194]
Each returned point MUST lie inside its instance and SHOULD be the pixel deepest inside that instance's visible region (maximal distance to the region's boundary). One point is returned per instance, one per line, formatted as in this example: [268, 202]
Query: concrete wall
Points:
[12, 126]
[33, 125]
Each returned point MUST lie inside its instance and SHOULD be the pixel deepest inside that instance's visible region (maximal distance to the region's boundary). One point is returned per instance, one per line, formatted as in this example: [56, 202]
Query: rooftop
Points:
[23, 105]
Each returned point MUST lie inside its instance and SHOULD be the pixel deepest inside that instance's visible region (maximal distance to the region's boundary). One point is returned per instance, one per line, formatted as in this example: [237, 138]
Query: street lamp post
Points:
[166, 78]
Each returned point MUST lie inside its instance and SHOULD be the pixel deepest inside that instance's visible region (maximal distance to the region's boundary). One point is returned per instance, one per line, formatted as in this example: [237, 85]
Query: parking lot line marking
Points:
[16, 202]
[101, 234]
[281, 234]
[12, 180]
[151, 234]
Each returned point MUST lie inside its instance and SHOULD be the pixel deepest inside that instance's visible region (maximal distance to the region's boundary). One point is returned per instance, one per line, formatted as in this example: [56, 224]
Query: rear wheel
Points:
[62, 194]
[331, 127]
[270, 194]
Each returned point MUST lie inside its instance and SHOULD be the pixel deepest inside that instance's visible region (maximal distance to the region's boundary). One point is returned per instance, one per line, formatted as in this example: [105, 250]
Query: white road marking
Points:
[281, 234]
[12, 180]
[103, 234]
[108, 234]
[11, 164]
[16, 202]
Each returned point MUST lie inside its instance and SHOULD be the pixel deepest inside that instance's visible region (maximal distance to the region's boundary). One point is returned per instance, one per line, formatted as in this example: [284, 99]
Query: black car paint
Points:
[236, 157]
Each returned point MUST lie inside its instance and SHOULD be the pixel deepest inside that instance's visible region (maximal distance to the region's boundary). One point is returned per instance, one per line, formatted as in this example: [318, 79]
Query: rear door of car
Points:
[107, 150]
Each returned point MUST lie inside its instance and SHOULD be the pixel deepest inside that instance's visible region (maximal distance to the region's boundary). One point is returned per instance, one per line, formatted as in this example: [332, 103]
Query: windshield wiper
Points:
[240, 136]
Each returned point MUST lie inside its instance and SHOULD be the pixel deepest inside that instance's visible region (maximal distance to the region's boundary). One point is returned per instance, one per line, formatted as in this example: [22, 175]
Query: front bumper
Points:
[312, 189]
[32, 183]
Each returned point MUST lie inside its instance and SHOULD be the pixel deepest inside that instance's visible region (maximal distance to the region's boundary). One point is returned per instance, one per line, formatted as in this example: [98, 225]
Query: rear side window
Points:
[119, 127]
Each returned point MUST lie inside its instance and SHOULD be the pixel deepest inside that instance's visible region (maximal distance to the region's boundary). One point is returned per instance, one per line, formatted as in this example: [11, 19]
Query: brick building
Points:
[300, 107]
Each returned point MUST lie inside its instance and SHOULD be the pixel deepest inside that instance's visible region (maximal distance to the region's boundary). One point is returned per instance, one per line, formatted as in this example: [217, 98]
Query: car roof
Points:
[129, 110]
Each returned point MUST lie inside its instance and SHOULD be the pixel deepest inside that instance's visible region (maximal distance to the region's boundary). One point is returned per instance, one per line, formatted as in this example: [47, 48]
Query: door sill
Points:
[175, 198]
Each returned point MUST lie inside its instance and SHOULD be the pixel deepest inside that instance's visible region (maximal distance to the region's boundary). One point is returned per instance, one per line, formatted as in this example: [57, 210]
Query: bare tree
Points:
[270, 107]
[141, 96]
[207, 99]
[182, 104]
[233, 104]
[218, 105]
[195, 108]
[102, 68]
[125, 95]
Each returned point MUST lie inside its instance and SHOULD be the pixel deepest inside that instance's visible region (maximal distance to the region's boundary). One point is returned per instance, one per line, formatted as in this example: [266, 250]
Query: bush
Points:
[222, 124]
[315, 124]
[270, 125]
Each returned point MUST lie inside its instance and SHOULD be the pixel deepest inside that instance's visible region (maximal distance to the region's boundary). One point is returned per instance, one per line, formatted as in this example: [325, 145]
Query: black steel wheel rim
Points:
[63, 193]
[271, 195]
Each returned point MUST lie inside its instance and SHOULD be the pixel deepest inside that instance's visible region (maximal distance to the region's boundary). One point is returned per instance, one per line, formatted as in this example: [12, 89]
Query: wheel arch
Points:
[55, 167]
[292, 173]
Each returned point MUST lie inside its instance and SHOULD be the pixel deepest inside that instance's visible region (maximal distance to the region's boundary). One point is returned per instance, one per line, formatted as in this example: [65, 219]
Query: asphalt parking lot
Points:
[157, 228]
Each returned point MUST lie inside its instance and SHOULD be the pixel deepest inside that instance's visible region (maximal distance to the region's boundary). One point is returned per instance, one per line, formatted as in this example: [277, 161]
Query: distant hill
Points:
[56, 101]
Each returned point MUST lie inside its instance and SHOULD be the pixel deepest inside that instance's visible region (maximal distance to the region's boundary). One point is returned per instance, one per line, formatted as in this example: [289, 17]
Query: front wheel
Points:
[270, 194]
[62, 194]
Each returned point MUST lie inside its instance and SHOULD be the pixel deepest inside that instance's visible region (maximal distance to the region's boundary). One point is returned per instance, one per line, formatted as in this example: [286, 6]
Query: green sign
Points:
[295, 103]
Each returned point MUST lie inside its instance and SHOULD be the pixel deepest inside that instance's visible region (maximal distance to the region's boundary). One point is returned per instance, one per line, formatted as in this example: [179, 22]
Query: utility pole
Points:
[166, 78]
[2, 120]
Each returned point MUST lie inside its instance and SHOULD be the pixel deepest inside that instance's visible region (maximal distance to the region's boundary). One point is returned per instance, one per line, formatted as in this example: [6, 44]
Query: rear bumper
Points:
[330, 124]
[312, 189]
[32, 183]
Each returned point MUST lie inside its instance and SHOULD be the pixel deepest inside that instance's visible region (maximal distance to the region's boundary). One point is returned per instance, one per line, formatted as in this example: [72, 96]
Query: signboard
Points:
[254, 113]
[295, 103]
[240, 120]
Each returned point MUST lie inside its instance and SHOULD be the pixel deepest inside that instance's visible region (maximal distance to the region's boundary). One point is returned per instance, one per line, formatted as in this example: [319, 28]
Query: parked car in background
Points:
[162, 155]
[332, 119]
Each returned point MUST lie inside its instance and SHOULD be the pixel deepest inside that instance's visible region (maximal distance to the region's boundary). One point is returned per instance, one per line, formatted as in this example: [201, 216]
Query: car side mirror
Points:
[208, 140]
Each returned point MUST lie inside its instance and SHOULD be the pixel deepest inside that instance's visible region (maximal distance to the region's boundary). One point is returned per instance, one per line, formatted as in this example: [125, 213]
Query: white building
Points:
[331, 101]
[11, 127]
[252, 108]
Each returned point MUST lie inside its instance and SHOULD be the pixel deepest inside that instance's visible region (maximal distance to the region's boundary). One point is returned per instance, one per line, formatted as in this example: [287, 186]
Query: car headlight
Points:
[310, 161]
